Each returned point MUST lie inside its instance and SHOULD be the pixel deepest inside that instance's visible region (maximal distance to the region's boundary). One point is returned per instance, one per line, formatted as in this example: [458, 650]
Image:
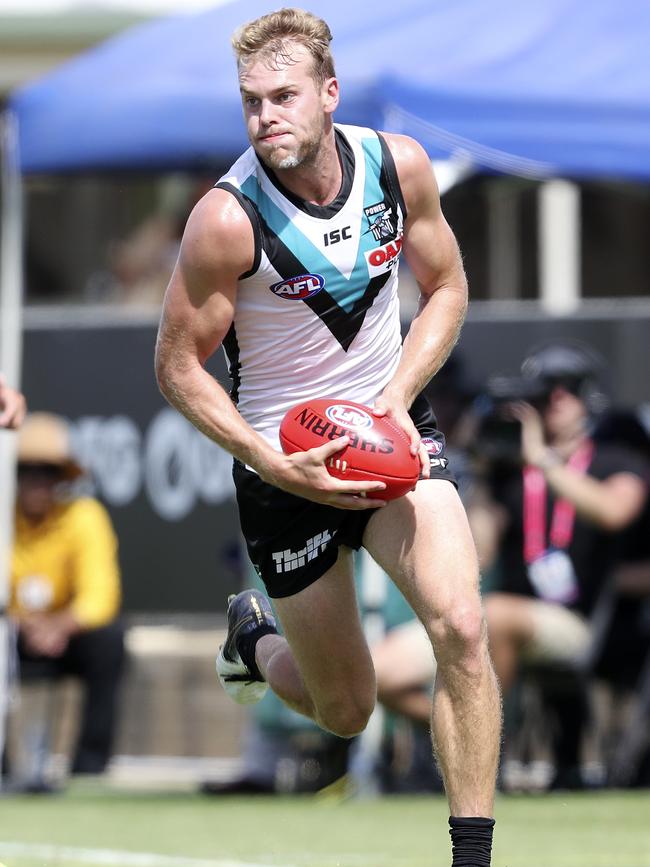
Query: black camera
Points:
[499, 433]
[568, 364]
[507, 389]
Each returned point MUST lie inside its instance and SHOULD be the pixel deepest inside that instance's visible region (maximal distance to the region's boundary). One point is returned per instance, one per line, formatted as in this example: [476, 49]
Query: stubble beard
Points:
[305, 154]
[291, 161]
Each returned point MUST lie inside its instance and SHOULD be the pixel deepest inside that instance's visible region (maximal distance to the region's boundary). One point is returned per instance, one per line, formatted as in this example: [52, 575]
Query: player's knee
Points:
[347, 720]
[459, 633]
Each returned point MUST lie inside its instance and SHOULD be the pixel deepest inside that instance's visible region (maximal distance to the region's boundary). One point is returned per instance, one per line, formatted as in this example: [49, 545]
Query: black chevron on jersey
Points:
[343, 326]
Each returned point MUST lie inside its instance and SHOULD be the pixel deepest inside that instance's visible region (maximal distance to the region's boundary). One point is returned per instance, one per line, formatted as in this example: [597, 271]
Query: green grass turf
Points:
[563, 830]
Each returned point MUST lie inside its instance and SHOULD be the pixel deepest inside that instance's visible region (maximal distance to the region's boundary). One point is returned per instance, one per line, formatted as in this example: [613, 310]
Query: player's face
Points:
[286, 110]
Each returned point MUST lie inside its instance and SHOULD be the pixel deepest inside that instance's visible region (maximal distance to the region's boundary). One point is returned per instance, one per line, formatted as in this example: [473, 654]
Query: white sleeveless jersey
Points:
[318, 314]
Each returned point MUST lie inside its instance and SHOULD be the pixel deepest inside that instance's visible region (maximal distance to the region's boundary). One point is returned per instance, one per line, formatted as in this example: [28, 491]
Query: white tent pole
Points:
[11, 292]
[559, 247]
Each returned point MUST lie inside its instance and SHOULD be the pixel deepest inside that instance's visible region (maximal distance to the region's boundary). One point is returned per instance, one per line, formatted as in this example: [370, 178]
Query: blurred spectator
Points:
[141, 264]
[65, 585]
[557, 504]
[622, 653]
[405, 668]
[12, 406]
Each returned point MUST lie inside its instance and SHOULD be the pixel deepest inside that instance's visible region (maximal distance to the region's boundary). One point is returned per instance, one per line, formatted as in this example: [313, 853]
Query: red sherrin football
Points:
[378, 449]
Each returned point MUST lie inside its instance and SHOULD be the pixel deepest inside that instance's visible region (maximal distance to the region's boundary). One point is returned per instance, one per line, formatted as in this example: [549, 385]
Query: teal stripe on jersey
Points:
[345, 291]
[373, 193]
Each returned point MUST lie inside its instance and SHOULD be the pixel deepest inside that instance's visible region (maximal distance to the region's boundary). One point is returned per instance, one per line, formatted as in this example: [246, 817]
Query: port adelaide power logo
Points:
[380, 221]
[298, 288]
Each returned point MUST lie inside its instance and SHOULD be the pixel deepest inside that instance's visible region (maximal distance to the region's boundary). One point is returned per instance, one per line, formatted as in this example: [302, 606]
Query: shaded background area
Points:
[169, 489]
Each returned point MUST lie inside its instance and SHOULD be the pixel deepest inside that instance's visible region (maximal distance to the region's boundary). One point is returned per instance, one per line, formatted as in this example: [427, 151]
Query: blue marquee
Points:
[560, 87]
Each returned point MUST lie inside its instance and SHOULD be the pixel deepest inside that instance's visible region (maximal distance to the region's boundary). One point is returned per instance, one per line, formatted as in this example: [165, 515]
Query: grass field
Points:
[86, 827]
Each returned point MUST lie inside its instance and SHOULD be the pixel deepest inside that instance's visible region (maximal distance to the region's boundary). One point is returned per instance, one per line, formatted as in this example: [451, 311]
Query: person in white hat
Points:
[65, 583]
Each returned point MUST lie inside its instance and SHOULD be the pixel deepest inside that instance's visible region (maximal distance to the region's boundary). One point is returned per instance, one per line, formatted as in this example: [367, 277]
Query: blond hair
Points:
[269, 38]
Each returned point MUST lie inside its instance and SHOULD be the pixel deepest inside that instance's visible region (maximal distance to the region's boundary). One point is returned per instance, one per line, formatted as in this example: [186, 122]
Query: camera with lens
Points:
[499, 433]
[568, 364]
[508, 389]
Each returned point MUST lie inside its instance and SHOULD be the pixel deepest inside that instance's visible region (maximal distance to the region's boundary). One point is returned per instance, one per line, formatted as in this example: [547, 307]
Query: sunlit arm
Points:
[197, 313]
[434, 258]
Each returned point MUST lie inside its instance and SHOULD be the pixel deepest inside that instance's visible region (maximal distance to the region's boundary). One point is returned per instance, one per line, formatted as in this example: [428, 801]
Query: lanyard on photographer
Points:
[564, 513]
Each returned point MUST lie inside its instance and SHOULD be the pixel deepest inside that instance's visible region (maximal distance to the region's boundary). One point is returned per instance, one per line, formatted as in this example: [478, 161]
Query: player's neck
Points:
[319, 180]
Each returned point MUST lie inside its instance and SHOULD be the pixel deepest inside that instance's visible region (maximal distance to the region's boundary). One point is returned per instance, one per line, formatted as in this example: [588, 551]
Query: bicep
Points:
[199, 303]
[430, 247]
[196, 317]
[431, 251]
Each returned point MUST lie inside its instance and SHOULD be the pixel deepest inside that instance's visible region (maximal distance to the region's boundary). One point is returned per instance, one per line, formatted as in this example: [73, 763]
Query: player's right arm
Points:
[198, 310]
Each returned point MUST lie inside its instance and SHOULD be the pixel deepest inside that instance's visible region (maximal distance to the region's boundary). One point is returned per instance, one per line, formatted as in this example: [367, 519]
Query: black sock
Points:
[471, 841]
[246, 648]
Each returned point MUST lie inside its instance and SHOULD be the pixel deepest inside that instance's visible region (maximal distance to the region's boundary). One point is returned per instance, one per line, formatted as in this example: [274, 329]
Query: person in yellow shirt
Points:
[65, 585]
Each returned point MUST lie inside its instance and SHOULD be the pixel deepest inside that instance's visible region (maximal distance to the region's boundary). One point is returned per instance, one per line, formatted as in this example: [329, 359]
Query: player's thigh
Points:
[323, 627]
[423, 541]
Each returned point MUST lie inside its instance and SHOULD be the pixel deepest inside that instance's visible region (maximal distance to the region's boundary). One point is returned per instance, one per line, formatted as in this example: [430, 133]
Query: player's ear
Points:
[330, 95]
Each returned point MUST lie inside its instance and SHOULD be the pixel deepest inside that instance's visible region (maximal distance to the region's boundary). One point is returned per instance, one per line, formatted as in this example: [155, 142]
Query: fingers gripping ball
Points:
[378, 449]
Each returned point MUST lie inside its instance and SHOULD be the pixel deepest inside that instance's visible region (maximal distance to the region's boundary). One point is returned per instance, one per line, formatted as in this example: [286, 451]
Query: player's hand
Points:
[305, 475]
[12, 406]
[395, 409]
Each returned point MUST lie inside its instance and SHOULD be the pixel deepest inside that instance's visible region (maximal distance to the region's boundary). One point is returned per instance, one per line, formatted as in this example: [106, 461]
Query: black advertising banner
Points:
[168, 488]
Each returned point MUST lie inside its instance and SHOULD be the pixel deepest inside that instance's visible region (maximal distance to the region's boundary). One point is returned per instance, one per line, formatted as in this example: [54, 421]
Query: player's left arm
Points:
[433, 256]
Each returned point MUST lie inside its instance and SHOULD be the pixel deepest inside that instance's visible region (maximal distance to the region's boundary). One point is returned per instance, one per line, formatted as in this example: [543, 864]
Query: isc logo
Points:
[348, 416]
[298, 288]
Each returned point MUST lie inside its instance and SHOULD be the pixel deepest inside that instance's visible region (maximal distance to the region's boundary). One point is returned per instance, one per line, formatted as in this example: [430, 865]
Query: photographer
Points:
[553, 516]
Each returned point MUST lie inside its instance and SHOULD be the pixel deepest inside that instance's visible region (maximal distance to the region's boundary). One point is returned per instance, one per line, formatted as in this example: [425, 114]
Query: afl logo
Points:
[348, 416]
[298, 288]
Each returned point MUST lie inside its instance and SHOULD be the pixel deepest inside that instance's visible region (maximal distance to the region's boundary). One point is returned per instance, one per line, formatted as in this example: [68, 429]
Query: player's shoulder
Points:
[413, 166]
[408, 153]
[217, 214]
[218, 233]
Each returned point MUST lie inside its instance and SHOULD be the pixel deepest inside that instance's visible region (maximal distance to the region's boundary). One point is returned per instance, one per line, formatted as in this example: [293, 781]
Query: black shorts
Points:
[292, 541]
